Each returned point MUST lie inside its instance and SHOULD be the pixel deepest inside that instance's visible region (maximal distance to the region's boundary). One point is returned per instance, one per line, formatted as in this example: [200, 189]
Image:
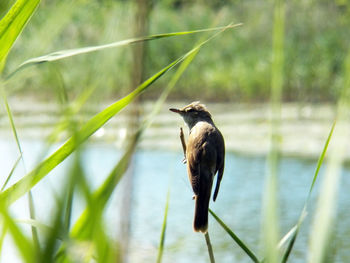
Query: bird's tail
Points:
[200, 223]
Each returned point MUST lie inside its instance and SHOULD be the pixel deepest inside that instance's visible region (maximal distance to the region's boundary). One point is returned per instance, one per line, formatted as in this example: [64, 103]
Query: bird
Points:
[205, 157]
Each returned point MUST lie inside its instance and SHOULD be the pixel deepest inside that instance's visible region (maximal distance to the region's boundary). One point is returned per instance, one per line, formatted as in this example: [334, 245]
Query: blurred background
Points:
[236, 68]
[231, 75]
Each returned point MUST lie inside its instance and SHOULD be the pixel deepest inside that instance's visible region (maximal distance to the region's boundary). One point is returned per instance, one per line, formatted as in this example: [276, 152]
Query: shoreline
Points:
[245, 127]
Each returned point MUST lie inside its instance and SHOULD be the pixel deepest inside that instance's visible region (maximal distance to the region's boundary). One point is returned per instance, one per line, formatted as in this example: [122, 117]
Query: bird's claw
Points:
[184, 161]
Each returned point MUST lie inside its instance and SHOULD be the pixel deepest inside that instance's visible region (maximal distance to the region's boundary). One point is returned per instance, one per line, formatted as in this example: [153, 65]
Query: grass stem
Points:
[210, 248]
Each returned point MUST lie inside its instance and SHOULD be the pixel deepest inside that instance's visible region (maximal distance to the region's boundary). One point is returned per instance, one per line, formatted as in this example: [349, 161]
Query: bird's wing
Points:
[201, 160]
[220, 163]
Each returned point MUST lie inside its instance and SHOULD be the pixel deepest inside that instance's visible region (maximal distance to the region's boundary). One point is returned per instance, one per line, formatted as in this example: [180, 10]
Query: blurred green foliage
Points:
[4, 6]
[240, 70]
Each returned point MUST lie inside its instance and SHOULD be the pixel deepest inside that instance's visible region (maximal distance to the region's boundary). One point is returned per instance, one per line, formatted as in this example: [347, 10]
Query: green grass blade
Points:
[320, 159]
[304, 211]
[287, 236]
[69, 207]
[89, 225]
[27, 182]
[239, 242]
[2, 235]
[12, 25]
[325, 215]
[162, 234]
[62, 54]
[11, 172]
[66, 120]
[323, 221]
[22, 243]
[42, 227]
[82, 227]
[15, 134]
[102, 195]
[10, 116]
[270, 224]
[186, 62]
[32, 216]
[61, 218]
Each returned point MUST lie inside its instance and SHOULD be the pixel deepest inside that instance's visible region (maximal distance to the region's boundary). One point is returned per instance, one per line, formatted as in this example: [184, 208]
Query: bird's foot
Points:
[184, 161]
[193, 197]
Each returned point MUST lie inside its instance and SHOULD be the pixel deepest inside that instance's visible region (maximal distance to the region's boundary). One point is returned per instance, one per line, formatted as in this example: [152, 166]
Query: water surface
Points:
[239, 203]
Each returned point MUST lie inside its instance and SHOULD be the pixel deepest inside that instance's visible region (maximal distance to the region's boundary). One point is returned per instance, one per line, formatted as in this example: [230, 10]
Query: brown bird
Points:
[205, 156]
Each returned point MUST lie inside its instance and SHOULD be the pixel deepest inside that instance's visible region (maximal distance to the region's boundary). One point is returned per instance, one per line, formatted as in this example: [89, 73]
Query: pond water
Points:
[239, 203]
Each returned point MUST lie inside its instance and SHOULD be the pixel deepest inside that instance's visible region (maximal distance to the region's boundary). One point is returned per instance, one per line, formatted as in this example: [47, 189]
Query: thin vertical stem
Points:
[270, 221]
[162, 235]
[30, 196]
[210, 248]
[324, 219]
[182, 138]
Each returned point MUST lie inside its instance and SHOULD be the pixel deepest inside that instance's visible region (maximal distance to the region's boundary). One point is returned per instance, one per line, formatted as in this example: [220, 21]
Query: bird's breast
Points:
[201, 129]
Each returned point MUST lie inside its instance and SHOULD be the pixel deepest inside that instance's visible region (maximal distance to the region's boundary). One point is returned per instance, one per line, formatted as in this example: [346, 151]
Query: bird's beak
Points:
[175, 110]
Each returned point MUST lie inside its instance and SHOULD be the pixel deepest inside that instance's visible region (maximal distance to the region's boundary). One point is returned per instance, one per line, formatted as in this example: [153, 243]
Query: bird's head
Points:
[193, 113]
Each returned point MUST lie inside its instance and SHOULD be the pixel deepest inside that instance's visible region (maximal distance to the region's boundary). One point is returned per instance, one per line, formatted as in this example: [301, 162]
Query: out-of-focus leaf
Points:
[62, 54]
[12, 25]
[239, 242]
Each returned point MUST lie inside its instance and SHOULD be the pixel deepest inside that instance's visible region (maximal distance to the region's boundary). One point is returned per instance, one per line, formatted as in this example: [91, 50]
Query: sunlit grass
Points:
[89, 232]
[323, 222]
[89, 226]
[270, 224]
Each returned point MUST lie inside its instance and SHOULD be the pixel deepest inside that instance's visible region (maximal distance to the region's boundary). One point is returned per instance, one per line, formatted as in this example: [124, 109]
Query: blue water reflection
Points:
[239, 203]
